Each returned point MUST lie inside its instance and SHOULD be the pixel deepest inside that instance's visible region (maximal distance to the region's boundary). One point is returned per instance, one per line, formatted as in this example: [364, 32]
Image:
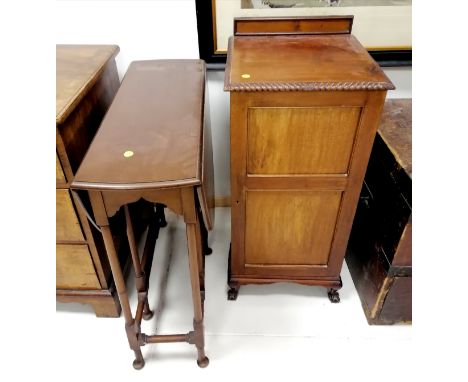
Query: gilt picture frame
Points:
[382, 26]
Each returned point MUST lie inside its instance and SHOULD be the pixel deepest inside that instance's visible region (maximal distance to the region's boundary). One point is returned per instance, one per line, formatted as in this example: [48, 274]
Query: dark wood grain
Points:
[398, 302]
[395, 130]
[379, 252]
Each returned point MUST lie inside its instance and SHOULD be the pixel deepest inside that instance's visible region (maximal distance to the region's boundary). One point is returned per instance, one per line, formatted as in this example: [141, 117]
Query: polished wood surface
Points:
[303, 119]
[87, 80]
[174, 148]
[379, 252]
[297, 62]
[292, 25]
[301, 140]
[78, 68]
[150, 101]
[75, 268]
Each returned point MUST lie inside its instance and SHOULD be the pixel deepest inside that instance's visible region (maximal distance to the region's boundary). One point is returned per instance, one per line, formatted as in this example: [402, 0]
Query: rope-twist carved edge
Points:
[307, 86]
[297, 86]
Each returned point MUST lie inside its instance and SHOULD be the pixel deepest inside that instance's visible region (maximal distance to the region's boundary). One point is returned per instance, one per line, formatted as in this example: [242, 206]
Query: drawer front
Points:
[288, 141]
[59, 175]
[67, 224]
[74, 267]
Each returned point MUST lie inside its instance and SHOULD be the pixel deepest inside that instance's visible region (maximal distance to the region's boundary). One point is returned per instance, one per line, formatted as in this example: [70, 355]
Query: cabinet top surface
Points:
[77, 69]
[395, 130]
[301, 63]
[151, 136]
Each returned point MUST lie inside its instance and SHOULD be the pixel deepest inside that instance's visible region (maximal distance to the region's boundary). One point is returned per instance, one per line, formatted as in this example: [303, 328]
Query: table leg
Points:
[161, 215]
[130, 327]
[204, 236]
[193, 249]
[139, 274]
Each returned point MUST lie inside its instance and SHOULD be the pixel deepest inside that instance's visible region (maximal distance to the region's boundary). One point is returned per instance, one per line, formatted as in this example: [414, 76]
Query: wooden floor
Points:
[271, 330]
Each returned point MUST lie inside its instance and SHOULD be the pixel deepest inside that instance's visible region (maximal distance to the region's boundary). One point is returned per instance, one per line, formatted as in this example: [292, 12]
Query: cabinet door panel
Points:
[292, 228]
[316, 140]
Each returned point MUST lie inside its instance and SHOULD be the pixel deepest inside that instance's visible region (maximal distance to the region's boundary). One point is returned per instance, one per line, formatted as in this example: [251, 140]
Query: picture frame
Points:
[374, 26]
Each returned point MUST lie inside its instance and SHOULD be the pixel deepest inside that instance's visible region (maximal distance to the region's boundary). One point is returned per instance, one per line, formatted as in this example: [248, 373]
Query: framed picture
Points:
[382, 26]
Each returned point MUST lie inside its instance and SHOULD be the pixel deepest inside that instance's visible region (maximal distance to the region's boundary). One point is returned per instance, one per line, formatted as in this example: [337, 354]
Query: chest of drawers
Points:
[87, 81]
[306, 99]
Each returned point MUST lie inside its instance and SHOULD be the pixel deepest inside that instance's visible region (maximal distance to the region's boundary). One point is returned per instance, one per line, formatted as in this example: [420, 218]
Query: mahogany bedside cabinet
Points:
[87, 81]
[155, 144]
[306, 99]
[379, 255]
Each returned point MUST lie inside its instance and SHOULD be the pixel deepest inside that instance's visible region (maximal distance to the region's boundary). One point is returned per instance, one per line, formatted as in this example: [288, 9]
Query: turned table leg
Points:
[139, 274]
[130, 327]
[193, 230]
[160, 215]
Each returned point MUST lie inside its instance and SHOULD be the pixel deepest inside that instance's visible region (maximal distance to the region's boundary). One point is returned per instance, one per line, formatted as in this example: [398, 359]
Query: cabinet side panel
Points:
[315, 140]
[369, 122]
[238, 138]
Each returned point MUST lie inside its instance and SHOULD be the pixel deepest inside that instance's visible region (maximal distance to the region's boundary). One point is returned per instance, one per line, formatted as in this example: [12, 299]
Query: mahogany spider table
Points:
[155, 144]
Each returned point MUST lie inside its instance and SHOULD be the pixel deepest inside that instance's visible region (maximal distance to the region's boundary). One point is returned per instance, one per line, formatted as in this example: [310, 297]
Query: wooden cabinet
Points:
[305, 102]
[379, 253]
[87, 81]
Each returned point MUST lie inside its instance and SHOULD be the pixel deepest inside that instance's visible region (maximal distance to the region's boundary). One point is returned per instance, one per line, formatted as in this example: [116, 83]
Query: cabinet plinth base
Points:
[235, 282]
[332, 285]
[105, 302]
